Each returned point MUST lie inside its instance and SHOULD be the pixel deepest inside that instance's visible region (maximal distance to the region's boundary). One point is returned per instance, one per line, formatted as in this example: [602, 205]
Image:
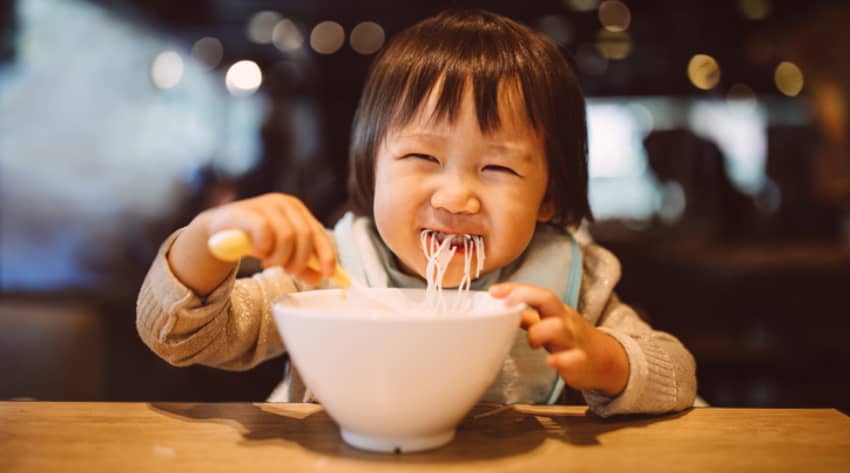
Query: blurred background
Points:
[719, 164]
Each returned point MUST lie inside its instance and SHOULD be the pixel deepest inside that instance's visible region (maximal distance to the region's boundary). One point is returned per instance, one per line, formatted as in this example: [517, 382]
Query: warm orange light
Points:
[754, 9]
[614, 15]
[367, 38]
[614, 45]
[581, 5]
[703, 71]
[327, 37]
[788, 78]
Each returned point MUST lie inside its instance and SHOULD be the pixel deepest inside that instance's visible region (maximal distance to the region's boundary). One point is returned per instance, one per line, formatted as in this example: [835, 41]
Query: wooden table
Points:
[241, 437]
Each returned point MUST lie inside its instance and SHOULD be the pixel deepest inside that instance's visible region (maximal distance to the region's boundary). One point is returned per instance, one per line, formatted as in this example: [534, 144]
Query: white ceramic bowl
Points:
[401, 380]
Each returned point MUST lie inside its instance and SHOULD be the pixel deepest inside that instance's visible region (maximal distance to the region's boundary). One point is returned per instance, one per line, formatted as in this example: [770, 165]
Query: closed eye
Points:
[425, 157]
[496, 167]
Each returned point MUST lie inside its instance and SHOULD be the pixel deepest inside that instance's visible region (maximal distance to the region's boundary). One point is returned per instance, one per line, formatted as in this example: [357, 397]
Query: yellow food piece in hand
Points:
[233, 245]
[230, 245]
[339, 277]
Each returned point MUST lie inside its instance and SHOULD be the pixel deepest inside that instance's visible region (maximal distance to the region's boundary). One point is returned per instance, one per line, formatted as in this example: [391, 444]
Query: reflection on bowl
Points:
[396, 381]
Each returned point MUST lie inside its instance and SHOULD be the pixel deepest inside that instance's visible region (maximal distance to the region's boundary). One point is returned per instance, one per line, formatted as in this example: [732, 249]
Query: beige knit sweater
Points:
[233, 328]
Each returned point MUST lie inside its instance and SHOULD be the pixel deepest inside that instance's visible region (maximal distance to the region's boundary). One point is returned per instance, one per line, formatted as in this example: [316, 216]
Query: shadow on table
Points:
[484, 434]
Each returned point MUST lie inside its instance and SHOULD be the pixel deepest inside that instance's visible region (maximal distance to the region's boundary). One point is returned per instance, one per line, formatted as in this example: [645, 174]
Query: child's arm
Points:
[586, 357]
[188, 312]
[282, 230]
[661, 373]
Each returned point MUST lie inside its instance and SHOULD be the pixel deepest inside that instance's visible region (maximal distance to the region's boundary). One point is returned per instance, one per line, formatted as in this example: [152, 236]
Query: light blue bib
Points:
[552, 261]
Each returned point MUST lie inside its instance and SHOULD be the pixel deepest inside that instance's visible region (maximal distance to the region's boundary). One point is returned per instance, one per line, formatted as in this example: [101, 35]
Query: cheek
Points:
[384, 192]
[515, 235]
[520, 204]
[514, 217]
[383, 207]
[393, 206]
[398, 189]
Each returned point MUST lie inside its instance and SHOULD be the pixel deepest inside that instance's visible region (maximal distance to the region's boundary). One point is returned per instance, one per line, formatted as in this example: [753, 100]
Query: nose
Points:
[456, 194]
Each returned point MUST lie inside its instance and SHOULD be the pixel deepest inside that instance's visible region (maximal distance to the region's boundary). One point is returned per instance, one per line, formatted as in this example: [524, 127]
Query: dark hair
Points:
[475, 47]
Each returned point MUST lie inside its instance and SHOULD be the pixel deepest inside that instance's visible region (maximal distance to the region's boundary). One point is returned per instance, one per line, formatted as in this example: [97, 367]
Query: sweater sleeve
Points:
[662, 373]
[231, 328]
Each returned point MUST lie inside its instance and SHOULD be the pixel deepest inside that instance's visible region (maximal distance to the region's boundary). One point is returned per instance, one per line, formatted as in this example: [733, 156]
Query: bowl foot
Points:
[388, 444]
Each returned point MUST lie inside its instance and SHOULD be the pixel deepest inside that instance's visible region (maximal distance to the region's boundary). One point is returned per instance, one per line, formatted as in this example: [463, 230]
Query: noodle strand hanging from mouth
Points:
[439, 256]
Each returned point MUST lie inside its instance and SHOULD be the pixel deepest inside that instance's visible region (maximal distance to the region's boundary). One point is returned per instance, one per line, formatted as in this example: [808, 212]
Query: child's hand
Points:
[585, 357]
[282, 231]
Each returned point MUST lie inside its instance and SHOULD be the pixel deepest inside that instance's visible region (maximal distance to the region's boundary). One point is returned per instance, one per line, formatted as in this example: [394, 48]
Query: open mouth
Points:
[459, 241]
[440, 248]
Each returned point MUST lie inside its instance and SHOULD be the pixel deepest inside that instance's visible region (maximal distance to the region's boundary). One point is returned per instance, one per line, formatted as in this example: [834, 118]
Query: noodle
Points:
[439, 256]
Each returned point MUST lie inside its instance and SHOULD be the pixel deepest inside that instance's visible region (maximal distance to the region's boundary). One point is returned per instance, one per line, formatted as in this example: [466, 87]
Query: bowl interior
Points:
[392, 304]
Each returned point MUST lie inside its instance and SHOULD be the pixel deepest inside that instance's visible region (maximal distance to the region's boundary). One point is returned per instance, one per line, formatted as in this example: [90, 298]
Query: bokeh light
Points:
[167, 70]
[614, 44]
[703, 71]
[261, 26]
[614, 15]
[327, 37]
[788, 78]
[243, 78]
[754, 9]
[287, 36]
[581, 5]
[367, 38]
[208, 51]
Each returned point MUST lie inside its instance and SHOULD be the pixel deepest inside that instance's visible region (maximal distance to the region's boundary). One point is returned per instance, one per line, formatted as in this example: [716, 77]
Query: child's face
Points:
[454, 179]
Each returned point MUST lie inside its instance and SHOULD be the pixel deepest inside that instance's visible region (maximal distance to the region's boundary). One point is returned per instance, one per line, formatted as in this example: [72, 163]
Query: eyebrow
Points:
[423, 134]
[519, 151]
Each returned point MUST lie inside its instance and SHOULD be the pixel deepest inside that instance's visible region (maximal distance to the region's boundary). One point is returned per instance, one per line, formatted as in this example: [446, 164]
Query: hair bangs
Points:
[515, 73]
[447, 67]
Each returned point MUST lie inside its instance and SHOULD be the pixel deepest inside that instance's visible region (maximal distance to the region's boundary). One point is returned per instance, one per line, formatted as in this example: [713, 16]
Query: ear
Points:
[547, 210]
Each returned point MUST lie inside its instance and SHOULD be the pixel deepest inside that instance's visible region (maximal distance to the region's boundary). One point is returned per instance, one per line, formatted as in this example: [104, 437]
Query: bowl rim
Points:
[279, 306]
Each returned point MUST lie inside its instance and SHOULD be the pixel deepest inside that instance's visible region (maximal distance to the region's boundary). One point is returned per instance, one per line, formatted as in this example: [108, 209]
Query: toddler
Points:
[470, 124]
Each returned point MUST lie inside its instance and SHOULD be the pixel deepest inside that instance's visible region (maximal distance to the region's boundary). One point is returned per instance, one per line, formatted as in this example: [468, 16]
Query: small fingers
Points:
[302, 240]
[568, 360]
[315, 237]
[310, 277]
[282, 232]
[323, 247]
[574, 367]
[529, 318]
[551, 333]
[284, 238]
[248, 219]
[544, 301]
